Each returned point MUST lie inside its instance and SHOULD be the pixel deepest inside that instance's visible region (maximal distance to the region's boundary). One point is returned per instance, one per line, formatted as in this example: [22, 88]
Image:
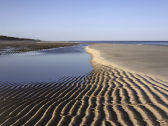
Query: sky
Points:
[68, 20]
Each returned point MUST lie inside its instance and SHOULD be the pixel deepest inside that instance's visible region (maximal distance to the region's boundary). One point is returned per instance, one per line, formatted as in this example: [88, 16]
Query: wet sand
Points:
[12, 46]
[106, 96]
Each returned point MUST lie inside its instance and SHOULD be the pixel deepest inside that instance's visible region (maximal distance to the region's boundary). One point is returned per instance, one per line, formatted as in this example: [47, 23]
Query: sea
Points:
[161, 43]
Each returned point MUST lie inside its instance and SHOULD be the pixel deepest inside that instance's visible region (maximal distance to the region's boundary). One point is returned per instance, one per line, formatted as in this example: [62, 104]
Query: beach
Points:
[120, 90]
[149, 60]
[138, 73]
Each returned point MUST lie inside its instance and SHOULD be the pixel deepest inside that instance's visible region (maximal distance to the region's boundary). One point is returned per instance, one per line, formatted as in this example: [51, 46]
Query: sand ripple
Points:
[106, 96]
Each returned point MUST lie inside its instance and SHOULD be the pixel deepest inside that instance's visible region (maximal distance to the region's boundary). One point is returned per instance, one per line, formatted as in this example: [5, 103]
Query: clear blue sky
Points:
[85, 19]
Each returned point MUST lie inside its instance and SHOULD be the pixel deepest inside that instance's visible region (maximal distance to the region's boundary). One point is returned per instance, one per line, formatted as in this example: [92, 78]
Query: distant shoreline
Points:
[2, 37]
[25, 46]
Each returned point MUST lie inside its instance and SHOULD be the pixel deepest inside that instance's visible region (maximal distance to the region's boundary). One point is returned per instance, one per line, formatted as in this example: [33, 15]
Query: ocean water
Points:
[162, 43]
[45, 65]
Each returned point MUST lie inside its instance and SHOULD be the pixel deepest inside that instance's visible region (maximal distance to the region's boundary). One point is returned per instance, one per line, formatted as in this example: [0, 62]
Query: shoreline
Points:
[9, 47]
[105, 57]
[105, 96]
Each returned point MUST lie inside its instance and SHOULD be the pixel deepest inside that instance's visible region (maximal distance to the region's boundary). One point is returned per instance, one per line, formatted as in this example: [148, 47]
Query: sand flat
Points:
[147, 59]
[107, 96]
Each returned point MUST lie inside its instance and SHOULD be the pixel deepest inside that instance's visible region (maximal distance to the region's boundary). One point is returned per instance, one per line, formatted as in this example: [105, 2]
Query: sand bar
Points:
[107, 96]
[147, 59]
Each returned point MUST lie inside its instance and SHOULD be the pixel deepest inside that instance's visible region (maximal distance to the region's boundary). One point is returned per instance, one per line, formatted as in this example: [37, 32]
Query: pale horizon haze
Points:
[72, 20]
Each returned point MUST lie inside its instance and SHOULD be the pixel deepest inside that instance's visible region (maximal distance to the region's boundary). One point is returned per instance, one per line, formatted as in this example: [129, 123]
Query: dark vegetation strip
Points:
[2, 37]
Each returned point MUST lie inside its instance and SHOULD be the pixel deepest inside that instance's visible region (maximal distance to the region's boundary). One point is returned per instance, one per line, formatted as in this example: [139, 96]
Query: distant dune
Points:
[15, 38]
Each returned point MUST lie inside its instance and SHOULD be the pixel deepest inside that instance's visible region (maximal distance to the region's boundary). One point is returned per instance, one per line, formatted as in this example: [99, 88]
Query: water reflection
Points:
[45, 65]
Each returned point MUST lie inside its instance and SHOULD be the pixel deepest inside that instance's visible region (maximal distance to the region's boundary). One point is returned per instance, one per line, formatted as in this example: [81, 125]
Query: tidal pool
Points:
[45, 65]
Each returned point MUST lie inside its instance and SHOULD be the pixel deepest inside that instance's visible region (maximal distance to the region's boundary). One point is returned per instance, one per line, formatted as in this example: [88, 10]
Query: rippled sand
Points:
[106, 96]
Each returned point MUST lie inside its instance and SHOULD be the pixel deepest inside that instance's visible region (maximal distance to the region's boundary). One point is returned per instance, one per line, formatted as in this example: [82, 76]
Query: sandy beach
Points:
[138, 72]
[118, 91]
[146, 59]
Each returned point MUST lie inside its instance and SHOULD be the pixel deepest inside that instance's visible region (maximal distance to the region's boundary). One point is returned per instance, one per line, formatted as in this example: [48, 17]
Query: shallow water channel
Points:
[45, 65]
